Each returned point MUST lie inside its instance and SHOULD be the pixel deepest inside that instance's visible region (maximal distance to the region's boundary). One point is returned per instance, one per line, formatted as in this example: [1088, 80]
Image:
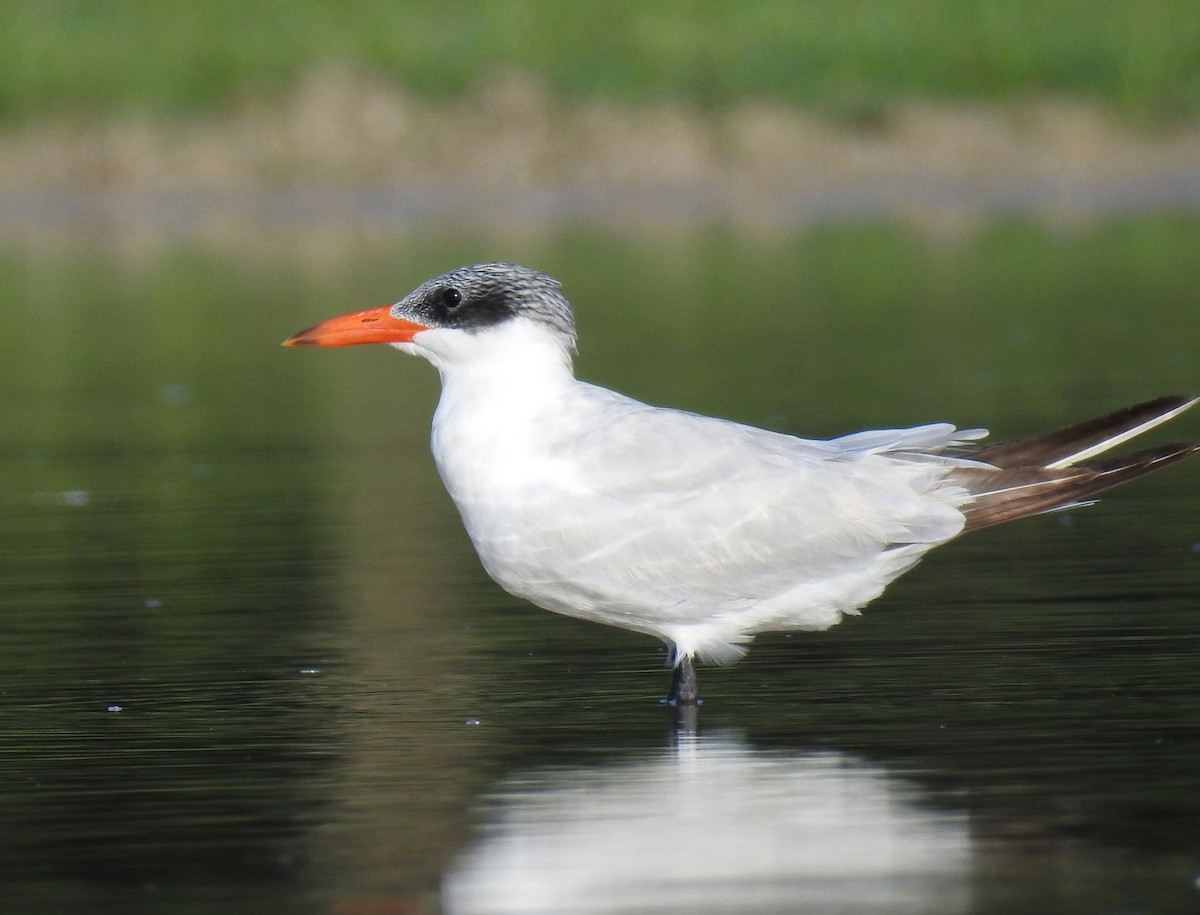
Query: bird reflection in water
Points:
[713, 825]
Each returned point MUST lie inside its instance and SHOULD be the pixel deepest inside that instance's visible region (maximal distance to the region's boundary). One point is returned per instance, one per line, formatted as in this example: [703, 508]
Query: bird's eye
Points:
[451, 298]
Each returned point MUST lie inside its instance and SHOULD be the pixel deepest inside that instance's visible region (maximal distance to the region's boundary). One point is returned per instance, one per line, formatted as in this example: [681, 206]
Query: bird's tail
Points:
[1061, 468]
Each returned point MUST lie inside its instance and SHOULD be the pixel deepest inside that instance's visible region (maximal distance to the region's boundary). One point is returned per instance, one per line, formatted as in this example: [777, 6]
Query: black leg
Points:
[687, 721]
[684, 689]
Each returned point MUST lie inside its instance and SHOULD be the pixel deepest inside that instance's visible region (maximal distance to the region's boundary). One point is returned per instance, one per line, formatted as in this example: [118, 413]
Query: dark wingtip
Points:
[1046, 448]
[1078, 483]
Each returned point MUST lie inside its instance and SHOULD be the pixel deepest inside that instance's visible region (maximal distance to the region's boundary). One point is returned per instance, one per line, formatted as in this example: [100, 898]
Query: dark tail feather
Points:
[1058, 469]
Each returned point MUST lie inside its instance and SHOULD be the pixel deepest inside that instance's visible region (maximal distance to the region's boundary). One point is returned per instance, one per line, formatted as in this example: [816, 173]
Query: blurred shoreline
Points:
[349, 154]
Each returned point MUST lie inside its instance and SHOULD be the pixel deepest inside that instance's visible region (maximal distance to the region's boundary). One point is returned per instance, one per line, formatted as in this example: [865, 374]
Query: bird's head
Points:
[440, 315]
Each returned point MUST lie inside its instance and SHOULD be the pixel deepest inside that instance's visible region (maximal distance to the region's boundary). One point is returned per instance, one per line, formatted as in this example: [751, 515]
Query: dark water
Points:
[251, 663]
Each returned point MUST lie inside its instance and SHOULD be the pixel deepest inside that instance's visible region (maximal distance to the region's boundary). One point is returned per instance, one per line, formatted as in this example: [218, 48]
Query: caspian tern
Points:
[699, 531]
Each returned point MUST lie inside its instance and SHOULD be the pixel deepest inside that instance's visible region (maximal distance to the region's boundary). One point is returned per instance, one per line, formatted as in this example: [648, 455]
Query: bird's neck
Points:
[519, 363]
[499, 404]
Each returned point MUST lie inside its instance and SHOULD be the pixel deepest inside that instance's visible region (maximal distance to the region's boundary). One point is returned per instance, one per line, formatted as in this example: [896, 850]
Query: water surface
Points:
[253, 664]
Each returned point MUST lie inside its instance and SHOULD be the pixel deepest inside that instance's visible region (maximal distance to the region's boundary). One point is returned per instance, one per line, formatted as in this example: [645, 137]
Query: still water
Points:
[251, 663]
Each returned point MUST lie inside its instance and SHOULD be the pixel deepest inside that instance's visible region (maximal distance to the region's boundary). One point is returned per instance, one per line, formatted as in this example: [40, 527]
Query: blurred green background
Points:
[847, 58]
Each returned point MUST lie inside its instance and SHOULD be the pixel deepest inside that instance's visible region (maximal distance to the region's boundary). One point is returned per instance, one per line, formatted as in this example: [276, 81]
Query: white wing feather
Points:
[700, 530]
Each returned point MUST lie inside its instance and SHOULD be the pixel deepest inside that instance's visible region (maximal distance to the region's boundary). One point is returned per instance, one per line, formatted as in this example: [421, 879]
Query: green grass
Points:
[1142, 57]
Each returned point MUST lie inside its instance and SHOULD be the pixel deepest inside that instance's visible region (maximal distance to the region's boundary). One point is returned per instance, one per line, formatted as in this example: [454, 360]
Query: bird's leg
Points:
[684, 688]
[687, 722]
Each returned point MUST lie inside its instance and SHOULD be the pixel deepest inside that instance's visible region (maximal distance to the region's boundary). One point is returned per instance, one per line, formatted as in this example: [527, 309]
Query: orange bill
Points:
[371, 325]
